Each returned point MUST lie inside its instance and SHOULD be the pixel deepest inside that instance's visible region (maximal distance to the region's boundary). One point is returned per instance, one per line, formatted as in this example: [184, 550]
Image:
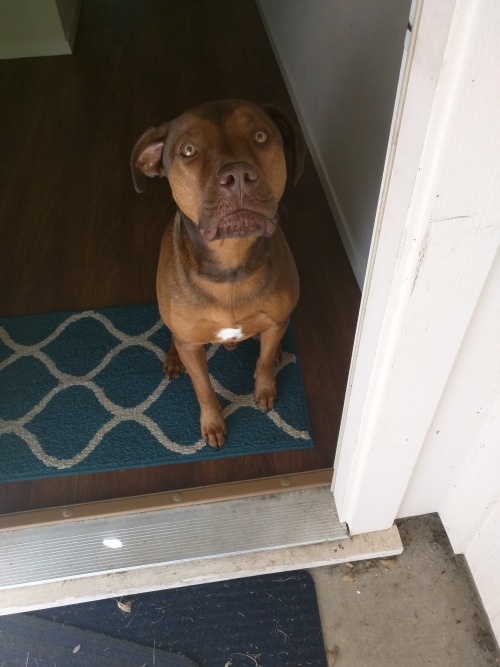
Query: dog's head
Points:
[225, 162]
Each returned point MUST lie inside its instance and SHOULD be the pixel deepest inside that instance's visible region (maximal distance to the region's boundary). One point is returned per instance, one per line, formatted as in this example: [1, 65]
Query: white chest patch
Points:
[230, 334]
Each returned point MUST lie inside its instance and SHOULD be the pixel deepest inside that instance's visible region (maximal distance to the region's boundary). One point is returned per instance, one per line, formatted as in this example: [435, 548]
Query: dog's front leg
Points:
[173, 367]
[265, 382]
[212, 424]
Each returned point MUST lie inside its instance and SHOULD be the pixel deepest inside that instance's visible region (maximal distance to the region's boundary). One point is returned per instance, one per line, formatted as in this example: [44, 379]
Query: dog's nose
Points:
[237, 176]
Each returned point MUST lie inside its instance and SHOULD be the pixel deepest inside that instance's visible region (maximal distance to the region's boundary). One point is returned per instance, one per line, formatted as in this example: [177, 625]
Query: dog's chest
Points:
[230, 334]
[226, 329]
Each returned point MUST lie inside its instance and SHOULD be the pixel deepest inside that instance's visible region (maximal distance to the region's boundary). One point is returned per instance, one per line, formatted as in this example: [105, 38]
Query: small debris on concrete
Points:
[125, 606]
[332, 655]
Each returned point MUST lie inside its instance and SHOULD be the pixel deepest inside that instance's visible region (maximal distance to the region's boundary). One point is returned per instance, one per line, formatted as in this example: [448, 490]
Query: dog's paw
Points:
[213, 430]
[173, 366]
[265, 393]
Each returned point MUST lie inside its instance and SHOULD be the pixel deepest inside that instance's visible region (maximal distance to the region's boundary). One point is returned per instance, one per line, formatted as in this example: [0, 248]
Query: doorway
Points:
[80, 237]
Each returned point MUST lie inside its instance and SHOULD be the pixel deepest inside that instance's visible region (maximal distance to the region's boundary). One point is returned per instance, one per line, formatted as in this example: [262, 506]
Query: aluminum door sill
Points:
[113, 556]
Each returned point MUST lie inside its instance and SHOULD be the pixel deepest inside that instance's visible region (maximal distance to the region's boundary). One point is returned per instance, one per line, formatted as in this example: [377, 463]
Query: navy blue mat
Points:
[28, 641]
[268, 621]
[84, 392]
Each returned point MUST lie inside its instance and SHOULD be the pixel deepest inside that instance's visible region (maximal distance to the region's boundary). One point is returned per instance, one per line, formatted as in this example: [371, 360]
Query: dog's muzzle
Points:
[240, 224]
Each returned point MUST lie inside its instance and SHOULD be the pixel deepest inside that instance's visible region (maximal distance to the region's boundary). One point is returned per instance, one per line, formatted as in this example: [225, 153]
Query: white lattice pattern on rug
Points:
[117, 413]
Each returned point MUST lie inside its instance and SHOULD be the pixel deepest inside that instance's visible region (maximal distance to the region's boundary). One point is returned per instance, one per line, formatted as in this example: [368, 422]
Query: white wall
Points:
[341, 60]
[32, 28]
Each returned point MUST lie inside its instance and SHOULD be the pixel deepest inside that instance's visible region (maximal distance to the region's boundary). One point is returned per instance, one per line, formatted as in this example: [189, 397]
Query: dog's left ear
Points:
[147, 156]
[293, 140]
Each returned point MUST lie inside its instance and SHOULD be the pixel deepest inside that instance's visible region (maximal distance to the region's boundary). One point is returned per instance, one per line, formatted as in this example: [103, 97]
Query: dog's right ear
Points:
[293, 140]
[147, 156]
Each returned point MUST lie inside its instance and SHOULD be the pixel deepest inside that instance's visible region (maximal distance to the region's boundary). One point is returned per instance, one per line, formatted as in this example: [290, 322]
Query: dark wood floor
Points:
[74, 234]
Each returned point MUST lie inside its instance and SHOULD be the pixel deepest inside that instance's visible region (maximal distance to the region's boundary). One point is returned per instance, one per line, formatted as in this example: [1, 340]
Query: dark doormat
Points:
[268, 621]
[28, 641]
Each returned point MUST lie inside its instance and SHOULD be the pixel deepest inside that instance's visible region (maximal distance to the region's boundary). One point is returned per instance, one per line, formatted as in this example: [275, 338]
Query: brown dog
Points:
[225, 271]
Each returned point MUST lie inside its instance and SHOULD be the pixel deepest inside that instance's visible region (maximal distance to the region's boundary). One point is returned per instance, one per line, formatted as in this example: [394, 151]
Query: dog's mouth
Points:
[239, 224]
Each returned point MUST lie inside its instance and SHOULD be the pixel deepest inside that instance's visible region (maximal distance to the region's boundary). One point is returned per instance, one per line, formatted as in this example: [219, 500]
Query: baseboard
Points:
[35, 49]
[358, 267]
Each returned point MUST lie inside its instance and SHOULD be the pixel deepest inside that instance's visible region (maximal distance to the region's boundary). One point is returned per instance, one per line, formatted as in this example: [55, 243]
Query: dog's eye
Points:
[188, 150]
[261, 137]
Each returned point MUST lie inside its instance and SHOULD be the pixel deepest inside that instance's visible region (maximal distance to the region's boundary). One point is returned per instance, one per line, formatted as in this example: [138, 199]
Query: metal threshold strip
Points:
[63, 551]
[128, 546]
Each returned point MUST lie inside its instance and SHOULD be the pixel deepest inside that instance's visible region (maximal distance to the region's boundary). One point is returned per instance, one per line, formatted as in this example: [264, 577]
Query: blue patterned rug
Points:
[84, 392]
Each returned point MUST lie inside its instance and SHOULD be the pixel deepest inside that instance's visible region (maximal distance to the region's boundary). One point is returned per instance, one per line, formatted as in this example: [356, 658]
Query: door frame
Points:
[433, 247]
